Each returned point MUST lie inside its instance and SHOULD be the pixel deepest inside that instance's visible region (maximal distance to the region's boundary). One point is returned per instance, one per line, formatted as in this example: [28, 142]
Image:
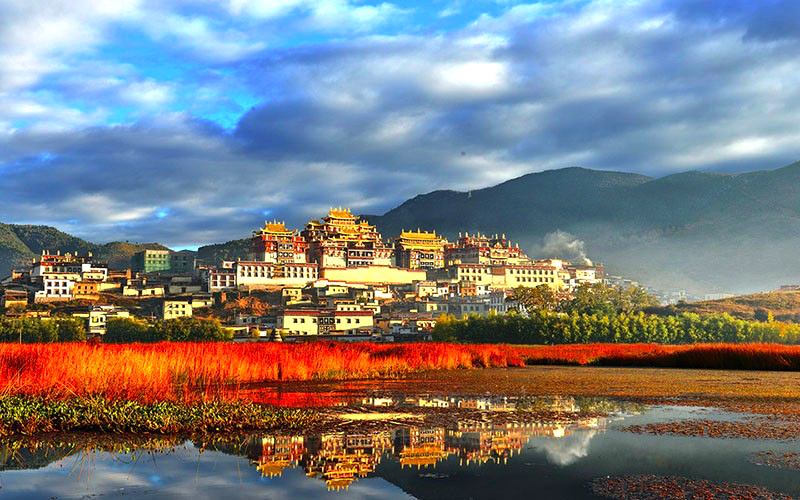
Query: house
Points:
[172, 309]
[14, 298]
[97, 318]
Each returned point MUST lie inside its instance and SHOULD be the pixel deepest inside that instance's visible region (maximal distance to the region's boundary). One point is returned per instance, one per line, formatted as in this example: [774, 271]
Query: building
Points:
[481, 249]
[151, 261]
[307, 322]
[172, 309]
[86, 290]
[374, 274]
[275, 244]
[255, 275]
[55, 289]
[419, 250]
[221, 280]
[97, 318]
[142, 290]
[340, 240]
[182, 262]
[66, 266]
[183, 284]
[14, 298]
[530, 276]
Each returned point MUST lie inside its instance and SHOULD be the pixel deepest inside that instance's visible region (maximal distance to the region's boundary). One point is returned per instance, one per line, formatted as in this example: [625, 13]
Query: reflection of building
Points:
[279, 452]
[420, 446]
[339, 458]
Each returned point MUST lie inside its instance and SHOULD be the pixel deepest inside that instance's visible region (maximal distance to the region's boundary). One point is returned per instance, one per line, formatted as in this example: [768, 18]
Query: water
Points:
[388, 443]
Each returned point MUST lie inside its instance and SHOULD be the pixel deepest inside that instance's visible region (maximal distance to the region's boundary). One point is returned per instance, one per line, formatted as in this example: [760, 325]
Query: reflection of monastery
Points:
[341, 458]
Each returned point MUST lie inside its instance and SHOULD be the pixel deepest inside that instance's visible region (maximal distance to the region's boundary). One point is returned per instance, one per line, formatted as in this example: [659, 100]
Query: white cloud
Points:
[368, 120]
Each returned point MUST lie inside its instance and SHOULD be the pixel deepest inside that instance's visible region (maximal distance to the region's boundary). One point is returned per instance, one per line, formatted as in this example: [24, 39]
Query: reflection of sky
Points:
[185, 474]
[566, 450]
[557, 466]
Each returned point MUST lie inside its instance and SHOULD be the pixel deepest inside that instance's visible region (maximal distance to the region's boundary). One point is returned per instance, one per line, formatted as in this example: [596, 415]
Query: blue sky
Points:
[186, 121]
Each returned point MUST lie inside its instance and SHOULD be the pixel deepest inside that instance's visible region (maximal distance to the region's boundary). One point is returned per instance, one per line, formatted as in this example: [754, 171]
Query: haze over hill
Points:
[703, 232]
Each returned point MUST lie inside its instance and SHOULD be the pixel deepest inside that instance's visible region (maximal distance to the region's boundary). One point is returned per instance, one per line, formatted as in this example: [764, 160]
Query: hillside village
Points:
[337, 279]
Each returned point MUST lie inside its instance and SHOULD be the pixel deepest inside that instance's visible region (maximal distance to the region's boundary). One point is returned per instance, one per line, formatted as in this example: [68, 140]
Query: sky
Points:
[191, 121]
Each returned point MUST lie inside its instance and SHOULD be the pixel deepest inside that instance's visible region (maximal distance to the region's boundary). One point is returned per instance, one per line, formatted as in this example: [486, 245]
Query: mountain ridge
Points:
[700, 231]
[21, 243]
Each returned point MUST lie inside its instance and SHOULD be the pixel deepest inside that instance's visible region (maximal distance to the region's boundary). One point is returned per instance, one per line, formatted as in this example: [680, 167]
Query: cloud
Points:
[357, 103]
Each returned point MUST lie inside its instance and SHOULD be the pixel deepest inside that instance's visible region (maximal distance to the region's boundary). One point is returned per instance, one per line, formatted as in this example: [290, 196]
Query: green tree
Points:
[527, 299]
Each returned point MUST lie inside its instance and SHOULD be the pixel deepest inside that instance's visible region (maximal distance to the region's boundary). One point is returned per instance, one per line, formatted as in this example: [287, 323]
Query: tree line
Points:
[35, 330]
[119, 330]
[551, 327]
[126, 330]
[596, 313]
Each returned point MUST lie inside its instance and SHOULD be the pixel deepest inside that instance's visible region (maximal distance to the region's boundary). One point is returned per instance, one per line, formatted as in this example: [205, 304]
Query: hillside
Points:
[231, 250]
[702, 232]
[19, 244]
[784, 306]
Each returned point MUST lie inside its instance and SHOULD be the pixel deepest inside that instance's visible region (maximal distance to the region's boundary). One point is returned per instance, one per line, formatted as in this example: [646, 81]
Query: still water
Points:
[458, 458]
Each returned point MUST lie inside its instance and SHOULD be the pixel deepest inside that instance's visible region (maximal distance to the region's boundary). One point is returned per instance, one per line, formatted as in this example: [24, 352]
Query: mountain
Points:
[19, 244]
[698, 231]
[231, 250]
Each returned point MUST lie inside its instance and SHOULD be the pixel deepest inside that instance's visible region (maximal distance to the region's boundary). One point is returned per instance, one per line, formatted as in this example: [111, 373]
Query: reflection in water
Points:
[568, 450]
[474, 447]
[341, 456]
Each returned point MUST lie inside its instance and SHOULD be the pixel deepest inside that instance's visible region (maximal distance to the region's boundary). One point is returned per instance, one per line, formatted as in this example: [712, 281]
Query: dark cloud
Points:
[654, 87]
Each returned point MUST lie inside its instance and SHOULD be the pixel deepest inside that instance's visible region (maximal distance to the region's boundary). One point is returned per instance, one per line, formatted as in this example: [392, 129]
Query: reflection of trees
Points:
[496, 429]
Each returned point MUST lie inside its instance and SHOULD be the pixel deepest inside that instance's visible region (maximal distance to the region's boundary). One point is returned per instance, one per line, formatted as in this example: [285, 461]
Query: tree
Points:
[527, 299]
[126, 330]
[592, 298]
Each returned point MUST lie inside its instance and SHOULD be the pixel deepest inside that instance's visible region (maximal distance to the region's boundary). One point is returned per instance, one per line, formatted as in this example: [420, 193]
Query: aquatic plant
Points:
[27, 415]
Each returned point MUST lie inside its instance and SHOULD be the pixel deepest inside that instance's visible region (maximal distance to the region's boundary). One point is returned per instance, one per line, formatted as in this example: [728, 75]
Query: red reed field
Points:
[183, 371]
[170, 371]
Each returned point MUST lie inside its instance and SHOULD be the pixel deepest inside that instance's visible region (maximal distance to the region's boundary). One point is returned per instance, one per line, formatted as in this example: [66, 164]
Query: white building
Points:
[54, 289]
[254, 275]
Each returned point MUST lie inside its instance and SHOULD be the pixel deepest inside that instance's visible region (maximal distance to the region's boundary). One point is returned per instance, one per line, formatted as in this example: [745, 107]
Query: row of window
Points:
[524, 279]
[338, 320]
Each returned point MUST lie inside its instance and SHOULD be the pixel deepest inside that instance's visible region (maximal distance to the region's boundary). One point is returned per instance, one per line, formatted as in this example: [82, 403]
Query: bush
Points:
[126, 330]
[548, 328]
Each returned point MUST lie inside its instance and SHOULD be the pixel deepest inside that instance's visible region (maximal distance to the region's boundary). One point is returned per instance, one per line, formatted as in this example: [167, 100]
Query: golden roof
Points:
[342, 213]
[419, 235]
[274, 227]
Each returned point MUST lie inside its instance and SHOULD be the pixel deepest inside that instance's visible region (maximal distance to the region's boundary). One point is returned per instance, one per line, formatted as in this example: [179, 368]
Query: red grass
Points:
[173, 371]
[168, 371]
[711, 356]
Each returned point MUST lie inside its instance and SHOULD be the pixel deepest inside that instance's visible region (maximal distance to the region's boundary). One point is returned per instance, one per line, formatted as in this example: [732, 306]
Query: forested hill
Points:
[21, 243]
[703, 232]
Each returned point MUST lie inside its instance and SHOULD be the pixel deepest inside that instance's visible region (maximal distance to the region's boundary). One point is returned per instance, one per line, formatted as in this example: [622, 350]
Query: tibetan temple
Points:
[341, 240]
